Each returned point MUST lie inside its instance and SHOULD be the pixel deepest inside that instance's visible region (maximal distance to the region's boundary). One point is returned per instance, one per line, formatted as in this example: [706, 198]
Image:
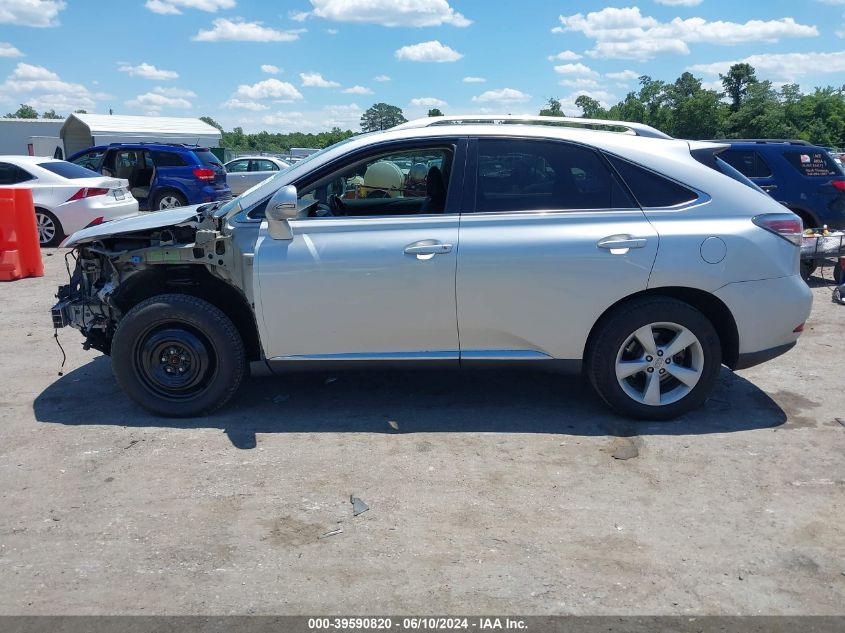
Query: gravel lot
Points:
[488, 492]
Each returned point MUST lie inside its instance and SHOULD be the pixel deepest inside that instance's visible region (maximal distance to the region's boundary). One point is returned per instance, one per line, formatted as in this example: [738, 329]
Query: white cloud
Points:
[473, 80]
[39, 13]
[624, 75]
[432, 51]
[241, 104]
[358, 90]
[679, 3]
[414, 13]
[240, 31]
[332, 31]
[173, 7]
[781, 66]
[175, 92]
[299, 16]
[627, 34]
[270, 89]
[428, 102]
[565, 56]
[342, 116]
[381, 78]
[316, 80]
[7, 50]
[147, 71]
[582, 83]
[270, 69]
[567, 102]
[575, 69]
[151, 101]
[43, 89]
[504, 95]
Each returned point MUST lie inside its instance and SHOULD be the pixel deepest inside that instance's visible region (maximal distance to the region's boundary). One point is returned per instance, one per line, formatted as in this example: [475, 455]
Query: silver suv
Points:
[607, 248]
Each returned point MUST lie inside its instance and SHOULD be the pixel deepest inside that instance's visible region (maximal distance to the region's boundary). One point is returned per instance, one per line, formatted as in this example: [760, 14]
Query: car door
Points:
[554, 239]
[237, 175]
[374, 279]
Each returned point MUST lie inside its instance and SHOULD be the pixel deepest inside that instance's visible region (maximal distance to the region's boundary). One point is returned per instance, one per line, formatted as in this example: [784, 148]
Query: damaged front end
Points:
[118, 264]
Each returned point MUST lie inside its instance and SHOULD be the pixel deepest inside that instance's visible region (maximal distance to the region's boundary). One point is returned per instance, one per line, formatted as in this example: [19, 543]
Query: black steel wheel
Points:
[178, 356]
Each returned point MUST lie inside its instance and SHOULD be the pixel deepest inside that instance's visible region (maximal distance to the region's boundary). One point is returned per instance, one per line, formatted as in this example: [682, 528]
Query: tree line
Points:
[745, 107]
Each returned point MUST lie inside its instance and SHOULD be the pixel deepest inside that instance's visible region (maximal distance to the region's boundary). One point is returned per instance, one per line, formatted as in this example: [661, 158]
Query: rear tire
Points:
[808, 267]
[178, 356]
[50, 232]
[654, 358]
[168, 200]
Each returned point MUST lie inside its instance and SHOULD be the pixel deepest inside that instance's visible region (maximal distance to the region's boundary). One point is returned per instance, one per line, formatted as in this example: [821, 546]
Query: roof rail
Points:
[624, 127]
[763, 141]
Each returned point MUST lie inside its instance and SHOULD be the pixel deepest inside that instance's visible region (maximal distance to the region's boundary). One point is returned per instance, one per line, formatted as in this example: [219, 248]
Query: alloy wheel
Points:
[659, 363]
[46, 227]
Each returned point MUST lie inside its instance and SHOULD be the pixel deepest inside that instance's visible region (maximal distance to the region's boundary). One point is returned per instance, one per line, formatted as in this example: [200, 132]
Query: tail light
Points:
[205, 174]
[88, 192]
[839, 184]
[786, 225]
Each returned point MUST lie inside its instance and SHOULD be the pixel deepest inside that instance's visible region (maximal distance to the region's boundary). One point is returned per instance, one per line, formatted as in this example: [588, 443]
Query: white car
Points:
[247, 171]
[66, 197]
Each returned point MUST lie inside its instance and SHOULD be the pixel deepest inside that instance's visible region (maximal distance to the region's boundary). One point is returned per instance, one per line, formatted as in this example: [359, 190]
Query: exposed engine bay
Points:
[112, 271]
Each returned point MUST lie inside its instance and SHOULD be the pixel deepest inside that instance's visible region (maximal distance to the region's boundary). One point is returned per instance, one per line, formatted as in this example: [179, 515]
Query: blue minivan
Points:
[160, 175]
[799, 175]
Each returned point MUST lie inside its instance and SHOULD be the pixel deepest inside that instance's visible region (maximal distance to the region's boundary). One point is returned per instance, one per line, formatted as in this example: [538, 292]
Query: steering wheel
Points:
[336, 205]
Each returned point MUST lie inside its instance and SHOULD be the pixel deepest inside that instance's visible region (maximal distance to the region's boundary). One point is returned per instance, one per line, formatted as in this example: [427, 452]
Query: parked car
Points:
[247, 171]
[803, 177]
[532, 245]
[161, 175]
[66, 197]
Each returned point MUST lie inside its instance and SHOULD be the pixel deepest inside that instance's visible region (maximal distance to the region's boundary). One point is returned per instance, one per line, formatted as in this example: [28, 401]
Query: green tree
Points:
[381, 116]
[80, 111]
[211, 122]
[737, 82]
[435, 112]
[51, 114]
[24, 112]
[553, 108]
[590, 108]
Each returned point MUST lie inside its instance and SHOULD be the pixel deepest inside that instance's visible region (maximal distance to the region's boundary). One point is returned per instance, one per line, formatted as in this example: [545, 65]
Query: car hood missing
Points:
[141, 222]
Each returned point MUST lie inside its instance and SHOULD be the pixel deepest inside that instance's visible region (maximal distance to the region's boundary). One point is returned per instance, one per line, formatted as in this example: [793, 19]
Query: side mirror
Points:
[280, 209]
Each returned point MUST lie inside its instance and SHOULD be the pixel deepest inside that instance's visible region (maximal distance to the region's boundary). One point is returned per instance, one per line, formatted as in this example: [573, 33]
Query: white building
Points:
[32, 137]
[81, 131]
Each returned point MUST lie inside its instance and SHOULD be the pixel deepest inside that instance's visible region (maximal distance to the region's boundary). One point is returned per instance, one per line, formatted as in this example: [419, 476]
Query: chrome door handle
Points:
[613, 243]
[427, 249]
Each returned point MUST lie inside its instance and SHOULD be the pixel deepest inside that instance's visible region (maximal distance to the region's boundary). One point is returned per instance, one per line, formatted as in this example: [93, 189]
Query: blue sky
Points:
[307, 65]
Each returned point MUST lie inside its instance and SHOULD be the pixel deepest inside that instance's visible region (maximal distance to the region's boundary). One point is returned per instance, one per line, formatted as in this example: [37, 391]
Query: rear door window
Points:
[651, 190]
[813, 163]
[526, 175]
[12, 174]
[264, 165]
[90, 160]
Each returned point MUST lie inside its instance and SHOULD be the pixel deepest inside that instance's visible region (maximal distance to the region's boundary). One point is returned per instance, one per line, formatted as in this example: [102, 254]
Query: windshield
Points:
[267, 187]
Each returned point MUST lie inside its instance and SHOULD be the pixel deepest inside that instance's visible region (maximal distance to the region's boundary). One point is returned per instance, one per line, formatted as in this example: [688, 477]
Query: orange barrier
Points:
[20, 253]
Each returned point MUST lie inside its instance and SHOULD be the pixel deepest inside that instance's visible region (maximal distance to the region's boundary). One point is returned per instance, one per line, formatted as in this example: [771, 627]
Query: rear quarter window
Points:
[650, 189]
[167, 159]
[813, 163]
[68, 170]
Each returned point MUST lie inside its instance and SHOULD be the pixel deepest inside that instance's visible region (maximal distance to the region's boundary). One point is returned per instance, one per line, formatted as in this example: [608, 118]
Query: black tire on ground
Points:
[168, 199]
[615, 330]
[50, 232]
[808, 267]
[178, 356]
[838, 276]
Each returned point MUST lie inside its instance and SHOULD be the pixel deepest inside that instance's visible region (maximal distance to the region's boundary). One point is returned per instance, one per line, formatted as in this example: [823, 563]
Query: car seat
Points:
[435, 187]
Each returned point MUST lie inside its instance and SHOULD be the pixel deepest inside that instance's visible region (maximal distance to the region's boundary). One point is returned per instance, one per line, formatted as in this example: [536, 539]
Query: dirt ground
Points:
[487, 492]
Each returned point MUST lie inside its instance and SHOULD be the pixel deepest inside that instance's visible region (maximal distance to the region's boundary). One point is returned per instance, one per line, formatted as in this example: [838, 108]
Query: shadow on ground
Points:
[419, 402]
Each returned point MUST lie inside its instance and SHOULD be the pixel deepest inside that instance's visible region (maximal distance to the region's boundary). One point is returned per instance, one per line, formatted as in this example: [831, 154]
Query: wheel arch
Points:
[708, 304]
[198, 282]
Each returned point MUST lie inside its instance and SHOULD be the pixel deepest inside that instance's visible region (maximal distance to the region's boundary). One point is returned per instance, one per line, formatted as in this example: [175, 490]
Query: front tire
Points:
[50, 231]
[654, 359]
[178, 356]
